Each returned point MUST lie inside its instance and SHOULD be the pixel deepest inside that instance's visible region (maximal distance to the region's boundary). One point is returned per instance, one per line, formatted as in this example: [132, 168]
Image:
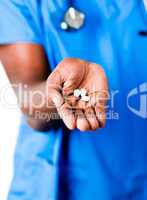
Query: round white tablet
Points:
[83, 92]
[77, 93]
[85, 98]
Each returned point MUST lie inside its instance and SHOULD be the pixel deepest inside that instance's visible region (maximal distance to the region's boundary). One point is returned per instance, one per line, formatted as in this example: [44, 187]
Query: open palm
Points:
[71, 74]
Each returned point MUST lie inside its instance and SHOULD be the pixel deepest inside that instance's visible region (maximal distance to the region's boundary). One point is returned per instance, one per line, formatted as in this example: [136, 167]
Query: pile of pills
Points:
[82, 94]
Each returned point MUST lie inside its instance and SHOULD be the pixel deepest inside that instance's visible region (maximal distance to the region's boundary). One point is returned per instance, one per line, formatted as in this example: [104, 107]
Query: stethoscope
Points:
[74, 19]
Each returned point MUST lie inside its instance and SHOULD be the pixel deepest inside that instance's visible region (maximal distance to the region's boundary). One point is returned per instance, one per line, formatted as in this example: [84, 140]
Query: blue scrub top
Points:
[107, 164]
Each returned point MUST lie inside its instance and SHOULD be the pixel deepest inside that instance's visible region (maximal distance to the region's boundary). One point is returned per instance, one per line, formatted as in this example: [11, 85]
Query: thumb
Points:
[69, 86]
[64, 110]
[56, 97]
[55, 89]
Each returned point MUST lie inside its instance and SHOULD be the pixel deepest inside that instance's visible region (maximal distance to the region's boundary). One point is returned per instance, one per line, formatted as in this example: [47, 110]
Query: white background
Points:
[9, 122]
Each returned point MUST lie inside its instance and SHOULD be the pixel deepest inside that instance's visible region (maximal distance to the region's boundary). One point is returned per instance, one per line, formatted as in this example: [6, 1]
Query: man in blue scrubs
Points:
[51, 161]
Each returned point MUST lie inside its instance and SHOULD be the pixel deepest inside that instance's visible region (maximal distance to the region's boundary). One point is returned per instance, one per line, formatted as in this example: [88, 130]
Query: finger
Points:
[67, 115]
[64, 110]
[99, 98]
[72, 73]
[91, 118]
[101, 115]
[56, 97]
[82, 123]
[69, 87]
[101, 82]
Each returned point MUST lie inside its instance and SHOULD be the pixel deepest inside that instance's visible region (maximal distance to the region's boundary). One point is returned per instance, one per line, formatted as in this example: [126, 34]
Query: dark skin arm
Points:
[26, 64]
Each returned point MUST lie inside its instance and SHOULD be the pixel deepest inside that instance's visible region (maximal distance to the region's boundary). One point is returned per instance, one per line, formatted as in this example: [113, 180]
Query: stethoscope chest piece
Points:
[73, 19]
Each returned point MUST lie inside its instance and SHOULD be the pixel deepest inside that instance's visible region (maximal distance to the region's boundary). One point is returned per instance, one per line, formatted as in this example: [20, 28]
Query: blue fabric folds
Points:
[107, 164]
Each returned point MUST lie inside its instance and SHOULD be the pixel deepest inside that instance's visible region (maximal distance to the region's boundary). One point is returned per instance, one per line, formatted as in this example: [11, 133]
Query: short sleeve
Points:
[18, 23]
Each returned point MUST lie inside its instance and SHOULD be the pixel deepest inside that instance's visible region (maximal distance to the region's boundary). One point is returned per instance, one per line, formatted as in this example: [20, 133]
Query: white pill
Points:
[83, 92]
[85, 98]
[77, 93]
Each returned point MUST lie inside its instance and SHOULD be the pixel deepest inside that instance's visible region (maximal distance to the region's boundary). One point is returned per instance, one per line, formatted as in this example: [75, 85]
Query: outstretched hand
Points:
[69, 75]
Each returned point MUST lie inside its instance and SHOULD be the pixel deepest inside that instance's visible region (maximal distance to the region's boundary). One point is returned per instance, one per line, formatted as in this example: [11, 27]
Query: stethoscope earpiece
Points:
[64, 25]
